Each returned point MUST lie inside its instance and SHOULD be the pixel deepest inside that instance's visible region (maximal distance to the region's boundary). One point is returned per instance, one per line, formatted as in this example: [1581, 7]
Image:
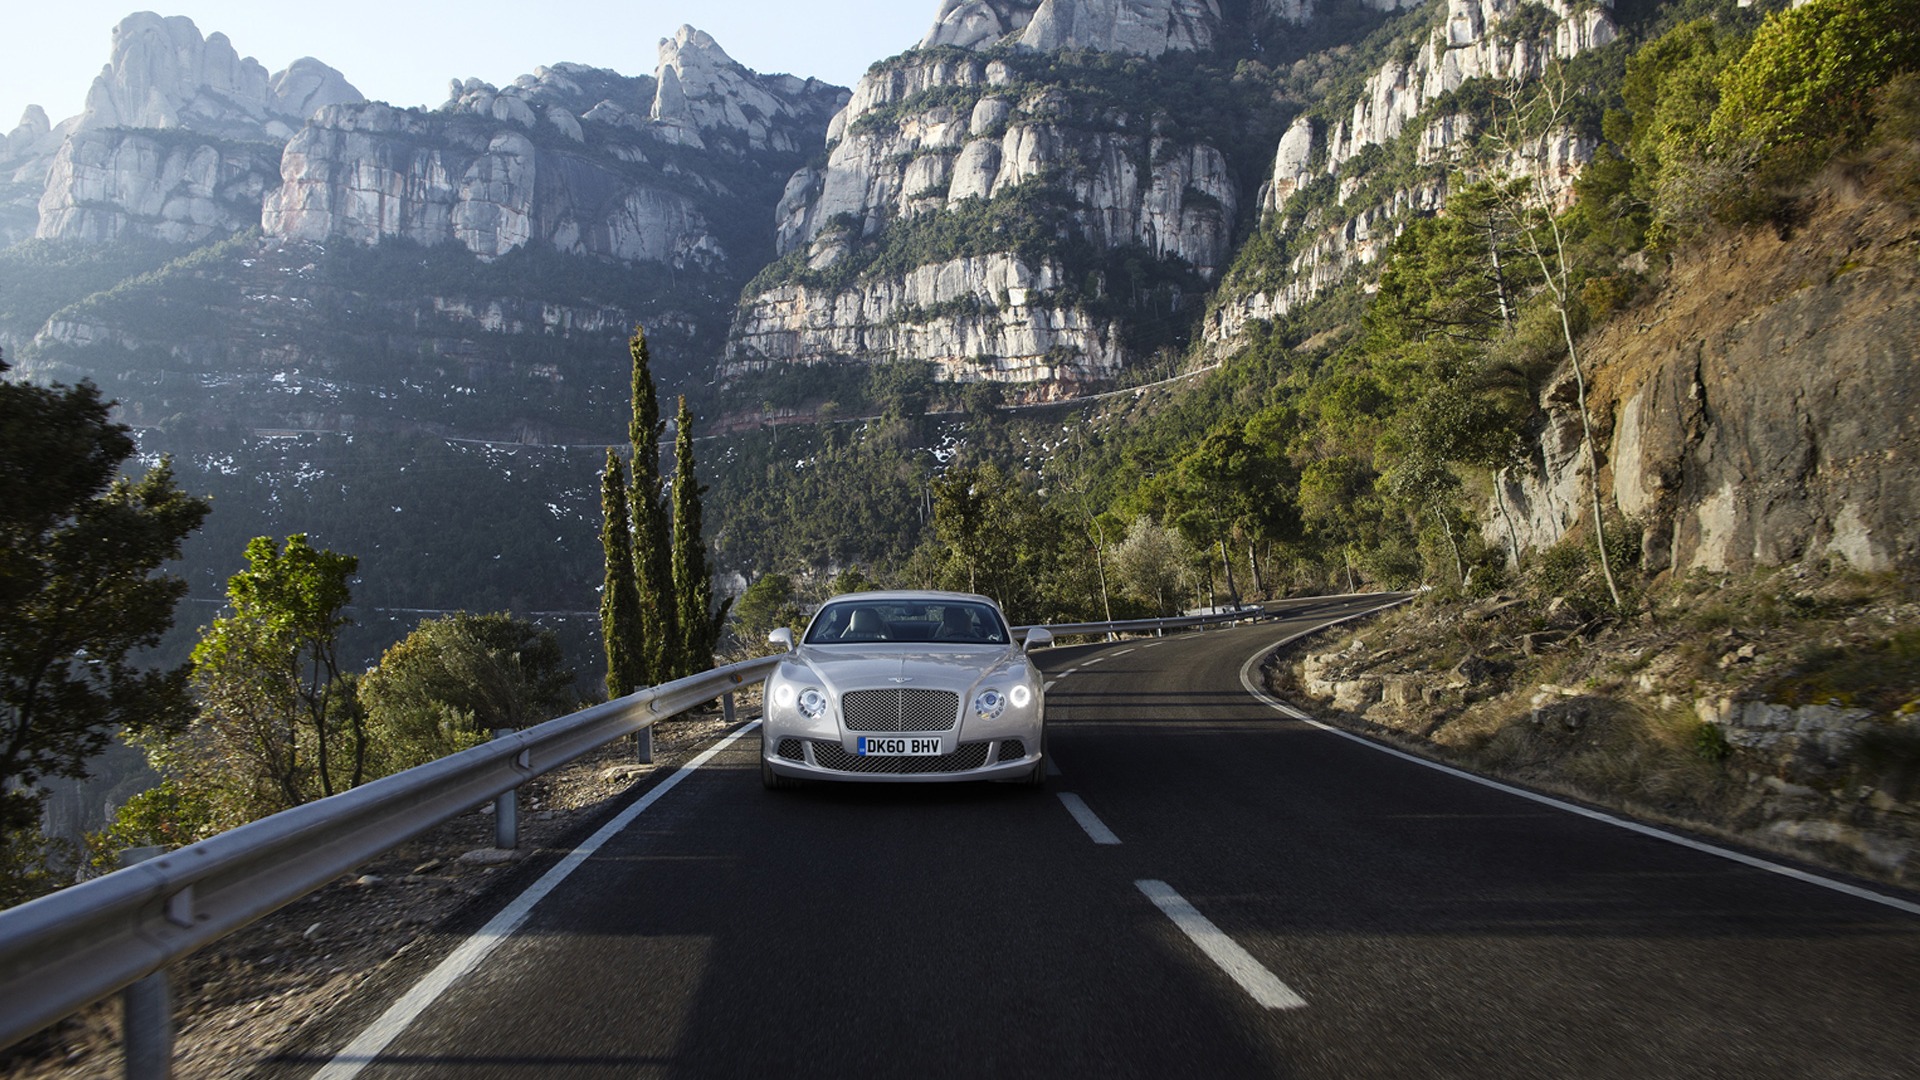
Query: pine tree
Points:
[619, 599]
[692, 577]
[652, 546]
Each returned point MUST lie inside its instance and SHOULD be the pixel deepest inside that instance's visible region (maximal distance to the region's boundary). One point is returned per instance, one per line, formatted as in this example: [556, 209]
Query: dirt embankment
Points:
[1779, 708]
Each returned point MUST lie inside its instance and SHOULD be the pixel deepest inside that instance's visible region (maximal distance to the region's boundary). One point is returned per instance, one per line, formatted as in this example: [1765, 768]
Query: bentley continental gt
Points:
[910, 687]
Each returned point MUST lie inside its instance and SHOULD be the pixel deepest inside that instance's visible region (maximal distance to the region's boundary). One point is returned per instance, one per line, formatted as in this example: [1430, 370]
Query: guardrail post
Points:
[643, 745]
[146, 1010]
[726, 708]
[506, 810]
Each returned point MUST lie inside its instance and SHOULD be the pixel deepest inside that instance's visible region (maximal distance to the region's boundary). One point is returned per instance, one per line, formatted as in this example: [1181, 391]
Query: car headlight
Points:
[989, 704]
[784, 695]
[812, 703]
[1021, 695]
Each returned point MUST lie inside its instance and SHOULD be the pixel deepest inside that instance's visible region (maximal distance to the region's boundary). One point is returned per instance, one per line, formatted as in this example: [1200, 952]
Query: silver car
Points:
[905, 686]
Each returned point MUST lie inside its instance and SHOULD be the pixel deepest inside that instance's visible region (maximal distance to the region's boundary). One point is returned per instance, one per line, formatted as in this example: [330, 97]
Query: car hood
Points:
[848, 667]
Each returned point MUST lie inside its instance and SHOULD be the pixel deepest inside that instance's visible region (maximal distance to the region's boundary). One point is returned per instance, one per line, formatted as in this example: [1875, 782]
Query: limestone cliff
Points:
[180, 139]
[1325, 196]
[1144, 27]
[974, 134]
[1760, 410]
[582, 159]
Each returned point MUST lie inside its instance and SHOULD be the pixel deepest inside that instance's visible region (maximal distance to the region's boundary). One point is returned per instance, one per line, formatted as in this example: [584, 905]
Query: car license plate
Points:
[900, 746]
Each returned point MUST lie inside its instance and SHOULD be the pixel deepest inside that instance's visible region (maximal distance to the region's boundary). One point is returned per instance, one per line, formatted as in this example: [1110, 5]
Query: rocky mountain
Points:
[652, 192]
[180, 139]
[974, 196]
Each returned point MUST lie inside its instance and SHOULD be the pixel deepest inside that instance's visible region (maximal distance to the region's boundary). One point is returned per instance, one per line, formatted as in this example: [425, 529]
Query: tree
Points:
[658, 640]
[1153, 562]
[619, 595]
[767, 605]
[1545, 245]
[456, 679]
[1804, 89]
[698, 622]
[274, 702]
[81, 550]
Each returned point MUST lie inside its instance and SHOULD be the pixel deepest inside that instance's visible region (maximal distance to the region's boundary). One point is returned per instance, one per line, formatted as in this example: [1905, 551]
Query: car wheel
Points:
[1037, 779]
[773, 781]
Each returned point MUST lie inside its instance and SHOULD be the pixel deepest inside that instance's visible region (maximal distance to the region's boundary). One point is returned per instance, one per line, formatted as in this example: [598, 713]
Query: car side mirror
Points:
[1038, 637]
[782, 637]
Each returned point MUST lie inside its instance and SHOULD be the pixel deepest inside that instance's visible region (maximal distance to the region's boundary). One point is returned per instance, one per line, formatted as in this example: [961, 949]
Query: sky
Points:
[405, 53]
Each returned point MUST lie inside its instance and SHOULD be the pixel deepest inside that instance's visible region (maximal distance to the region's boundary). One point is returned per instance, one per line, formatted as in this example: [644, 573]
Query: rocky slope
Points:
[1760, 411]
[1334, 209]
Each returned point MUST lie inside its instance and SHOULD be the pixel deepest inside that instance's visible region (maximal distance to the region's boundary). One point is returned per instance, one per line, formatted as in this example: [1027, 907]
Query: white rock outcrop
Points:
[976, 319]
[564, 157]
[970, 24]
[163, 74]
[179, 138]
[1395, 103]
[702, 89]
[1145, 27]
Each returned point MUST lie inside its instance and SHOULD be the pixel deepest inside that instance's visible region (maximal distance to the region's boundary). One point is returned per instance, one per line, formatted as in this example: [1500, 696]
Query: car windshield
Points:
[955, 622]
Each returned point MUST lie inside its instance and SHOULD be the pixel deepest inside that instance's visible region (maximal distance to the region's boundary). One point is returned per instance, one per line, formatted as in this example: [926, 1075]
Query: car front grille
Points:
[791, 750]
[900, 710]
[1012, 750]
[831, 755]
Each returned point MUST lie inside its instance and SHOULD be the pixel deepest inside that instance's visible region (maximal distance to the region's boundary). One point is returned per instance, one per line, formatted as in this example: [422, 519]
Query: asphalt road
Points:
[1367, 917]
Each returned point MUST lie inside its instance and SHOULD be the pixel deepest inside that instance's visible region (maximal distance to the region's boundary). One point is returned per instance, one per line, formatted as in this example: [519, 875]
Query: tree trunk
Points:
[1233, 593]
[1253, 561]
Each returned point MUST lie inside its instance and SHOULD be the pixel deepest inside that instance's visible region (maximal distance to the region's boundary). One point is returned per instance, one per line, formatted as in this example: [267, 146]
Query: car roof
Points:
[919, 595]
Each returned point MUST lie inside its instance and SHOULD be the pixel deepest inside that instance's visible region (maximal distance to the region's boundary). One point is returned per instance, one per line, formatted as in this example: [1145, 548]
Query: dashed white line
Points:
[1095, 660]
[1122, 652]
[1096, 829]
[1262, 985]
[1053, 768]
[1050, 685]
[365, 1048]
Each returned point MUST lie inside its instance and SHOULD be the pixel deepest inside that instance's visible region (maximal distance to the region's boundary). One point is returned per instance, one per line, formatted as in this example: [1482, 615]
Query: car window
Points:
[951, 622]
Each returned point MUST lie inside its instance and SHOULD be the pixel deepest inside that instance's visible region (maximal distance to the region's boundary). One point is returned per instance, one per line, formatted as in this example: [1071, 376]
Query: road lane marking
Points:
[1052, 768]
[366, 1048]
[1262, 985]
[1095, 660]
[1082, 813]
[1260, 694]
[1122, 652]
[1050, 685]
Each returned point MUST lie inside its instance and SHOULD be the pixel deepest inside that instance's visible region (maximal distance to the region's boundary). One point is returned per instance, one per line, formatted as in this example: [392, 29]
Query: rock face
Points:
[1394, 105]
[180, 138]
[1146, 27]
[1143, 27]
[571, 156]
[941, 141]
[163, 74]
[1761, 412]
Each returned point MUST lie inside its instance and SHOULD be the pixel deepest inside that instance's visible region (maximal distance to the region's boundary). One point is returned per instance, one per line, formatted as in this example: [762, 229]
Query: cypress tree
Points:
[692, 577]
[619, 599]
[659, 639]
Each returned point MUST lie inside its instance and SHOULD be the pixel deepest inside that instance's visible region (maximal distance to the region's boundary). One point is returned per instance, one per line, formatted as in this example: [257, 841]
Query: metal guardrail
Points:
[64, 951]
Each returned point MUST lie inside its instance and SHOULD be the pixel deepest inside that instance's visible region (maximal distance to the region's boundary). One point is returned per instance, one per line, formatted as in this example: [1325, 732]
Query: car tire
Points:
[773, 781]
[1037, 779]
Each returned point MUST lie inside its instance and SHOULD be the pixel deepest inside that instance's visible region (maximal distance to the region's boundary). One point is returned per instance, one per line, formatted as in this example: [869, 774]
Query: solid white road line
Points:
[1247, 681]
[1082, 813]
[365, 1048]
[1262, 985]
